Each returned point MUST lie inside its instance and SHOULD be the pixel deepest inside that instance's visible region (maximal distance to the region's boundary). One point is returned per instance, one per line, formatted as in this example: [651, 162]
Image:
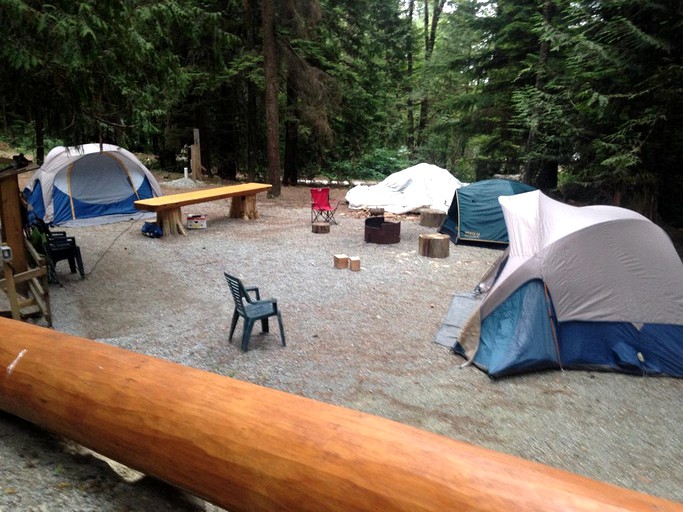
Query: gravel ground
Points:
[363, 340]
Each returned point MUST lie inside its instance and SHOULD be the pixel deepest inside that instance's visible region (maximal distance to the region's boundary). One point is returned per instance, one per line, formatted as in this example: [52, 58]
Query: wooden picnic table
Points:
[168, 211]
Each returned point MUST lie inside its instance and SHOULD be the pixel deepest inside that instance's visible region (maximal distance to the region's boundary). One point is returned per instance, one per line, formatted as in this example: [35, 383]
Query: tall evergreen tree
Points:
[96, 69]
[617, 90]
[270, 67]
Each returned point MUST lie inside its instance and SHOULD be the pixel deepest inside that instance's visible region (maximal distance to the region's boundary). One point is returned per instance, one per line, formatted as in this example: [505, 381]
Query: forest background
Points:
[582, 98]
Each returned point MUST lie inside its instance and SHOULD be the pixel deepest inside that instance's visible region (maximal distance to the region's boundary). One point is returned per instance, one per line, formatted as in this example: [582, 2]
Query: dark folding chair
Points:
[251, 310]
[321, 207]
[57, 246]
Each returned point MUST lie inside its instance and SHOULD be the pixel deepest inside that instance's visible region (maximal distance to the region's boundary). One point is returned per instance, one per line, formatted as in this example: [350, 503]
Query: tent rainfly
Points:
[475, 214]
[594, 287]
[89, 184]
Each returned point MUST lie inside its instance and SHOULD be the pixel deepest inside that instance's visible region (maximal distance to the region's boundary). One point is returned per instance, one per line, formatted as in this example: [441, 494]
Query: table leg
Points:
[171, 222]
[244, 207]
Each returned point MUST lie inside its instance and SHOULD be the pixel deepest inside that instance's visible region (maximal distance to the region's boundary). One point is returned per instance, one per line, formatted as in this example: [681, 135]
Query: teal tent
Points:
[475, 214]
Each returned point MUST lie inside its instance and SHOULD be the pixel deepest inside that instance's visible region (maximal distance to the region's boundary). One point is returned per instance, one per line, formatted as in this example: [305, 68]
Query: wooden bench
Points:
[168, 212]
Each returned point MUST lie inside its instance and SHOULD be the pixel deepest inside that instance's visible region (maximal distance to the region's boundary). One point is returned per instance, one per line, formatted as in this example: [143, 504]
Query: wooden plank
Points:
[39, 286]
[39, 259]
[29, 274]
[42, 299]
[246, 447]
[12, 171]
[155, 204]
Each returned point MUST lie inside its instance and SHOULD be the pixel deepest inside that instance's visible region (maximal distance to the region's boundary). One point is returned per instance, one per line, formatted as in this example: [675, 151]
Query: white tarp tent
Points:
[421, 186]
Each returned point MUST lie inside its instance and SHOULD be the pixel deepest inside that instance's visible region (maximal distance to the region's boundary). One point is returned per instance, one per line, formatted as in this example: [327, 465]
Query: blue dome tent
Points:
[89, 184]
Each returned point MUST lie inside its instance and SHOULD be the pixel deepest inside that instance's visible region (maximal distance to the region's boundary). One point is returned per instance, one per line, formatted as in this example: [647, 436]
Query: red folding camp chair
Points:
[321, 208]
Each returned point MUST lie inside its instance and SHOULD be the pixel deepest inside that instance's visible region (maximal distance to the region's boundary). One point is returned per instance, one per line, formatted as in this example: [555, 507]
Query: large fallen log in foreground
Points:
[245, 447]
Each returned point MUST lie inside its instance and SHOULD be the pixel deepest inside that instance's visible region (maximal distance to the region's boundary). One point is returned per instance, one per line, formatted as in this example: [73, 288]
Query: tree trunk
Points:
[430, 39]
[540, 172]
[270, 68]
[251, 96]
[40, 133]
[410, 139]
[291, 175]
[245, 447]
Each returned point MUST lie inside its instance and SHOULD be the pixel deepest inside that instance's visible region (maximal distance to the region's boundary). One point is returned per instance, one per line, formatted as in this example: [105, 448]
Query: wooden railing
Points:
[245, 447]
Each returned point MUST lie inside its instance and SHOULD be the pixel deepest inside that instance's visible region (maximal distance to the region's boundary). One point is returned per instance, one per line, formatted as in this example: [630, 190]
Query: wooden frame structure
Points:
[26, 287]
[246, 447]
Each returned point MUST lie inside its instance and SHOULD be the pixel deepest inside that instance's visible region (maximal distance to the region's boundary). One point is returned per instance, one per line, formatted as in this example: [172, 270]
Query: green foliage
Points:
[373, 166]
[592, 87]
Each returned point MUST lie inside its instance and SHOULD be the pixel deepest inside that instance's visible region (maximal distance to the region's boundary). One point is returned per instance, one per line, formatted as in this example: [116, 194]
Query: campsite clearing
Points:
[364, 340]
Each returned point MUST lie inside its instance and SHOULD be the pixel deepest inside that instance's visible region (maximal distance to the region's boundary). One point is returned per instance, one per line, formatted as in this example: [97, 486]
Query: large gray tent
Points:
[592, 287]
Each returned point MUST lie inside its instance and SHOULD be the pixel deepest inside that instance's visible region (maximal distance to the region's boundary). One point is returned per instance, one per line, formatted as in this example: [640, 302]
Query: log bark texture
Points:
[246, 447]
[320, 227]
[243, 207]
[434, 245]
[171, 222]
[431, 218]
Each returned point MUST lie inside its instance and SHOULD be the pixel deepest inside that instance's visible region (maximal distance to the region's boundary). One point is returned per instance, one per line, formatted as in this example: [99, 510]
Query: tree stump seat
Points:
[434, 245]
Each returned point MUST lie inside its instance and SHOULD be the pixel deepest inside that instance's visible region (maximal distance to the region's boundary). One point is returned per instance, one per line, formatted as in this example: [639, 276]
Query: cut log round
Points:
[320, 227]
[431, 218]
[434, 245]
[341, 261]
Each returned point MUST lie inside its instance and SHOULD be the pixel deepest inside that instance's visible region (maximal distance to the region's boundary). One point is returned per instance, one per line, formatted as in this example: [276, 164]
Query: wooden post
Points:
[10, 218]
[245, 447]
[434, 245]
[196, 156]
